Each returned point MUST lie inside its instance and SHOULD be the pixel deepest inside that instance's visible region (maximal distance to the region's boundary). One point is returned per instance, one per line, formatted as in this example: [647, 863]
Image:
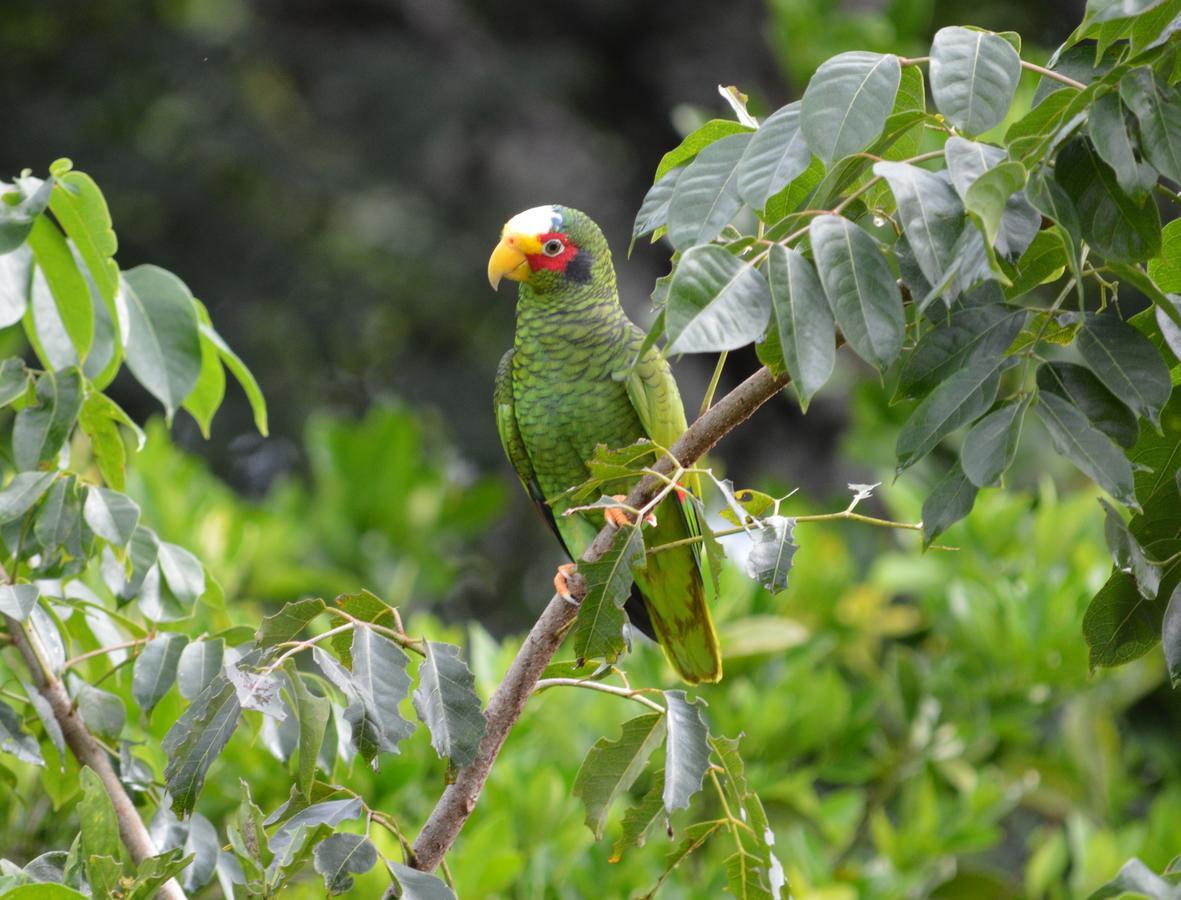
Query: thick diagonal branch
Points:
[508, 701]
[88, 753]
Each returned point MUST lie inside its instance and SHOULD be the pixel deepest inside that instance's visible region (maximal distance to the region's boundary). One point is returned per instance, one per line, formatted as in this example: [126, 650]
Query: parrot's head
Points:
[550, 248]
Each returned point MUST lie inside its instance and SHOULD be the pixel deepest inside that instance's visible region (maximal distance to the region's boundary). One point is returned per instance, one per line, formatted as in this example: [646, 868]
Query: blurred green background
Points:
[329, 178]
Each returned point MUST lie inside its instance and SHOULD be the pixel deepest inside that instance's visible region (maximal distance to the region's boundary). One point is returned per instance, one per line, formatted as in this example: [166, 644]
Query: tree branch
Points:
[88, 753]
[508, 700]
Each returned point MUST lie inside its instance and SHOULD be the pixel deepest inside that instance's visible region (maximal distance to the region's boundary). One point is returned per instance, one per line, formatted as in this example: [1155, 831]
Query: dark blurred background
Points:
[330, 177]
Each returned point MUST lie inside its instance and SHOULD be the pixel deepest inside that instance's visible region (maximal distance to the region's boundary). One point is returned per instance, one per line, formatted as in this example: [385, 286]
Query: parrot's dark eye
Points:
[552, 247]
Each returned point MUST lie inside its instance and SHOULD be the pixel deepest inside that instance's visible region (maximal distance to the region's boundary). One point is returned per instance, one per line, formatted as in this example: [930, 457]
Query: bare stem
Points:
[102, 651]
[708, 399]
[636, 694]
[1050, 73]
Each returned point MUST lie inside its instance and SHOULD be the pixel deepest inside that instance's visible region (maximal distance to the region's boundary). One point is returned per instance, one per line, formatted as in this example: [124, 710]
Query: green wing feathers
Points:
[672, 584]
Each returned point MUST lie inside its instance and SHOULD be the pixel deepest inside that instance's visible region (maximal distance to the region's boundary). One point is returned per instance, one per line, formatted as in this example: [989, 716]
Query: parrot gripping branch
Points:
[508, 700]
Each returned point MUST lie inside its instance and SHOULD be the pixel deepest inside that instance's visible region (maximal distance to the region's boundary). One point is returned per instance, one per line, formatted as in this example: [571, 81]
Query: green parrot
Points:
[558, 395]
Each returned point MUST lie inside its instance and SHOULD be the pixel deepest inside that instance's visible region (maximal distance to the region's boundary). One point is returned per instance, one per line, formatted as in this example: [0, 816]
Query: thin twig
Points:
[629, 693]
[708, 399]
[1050, 73]
[102, 651]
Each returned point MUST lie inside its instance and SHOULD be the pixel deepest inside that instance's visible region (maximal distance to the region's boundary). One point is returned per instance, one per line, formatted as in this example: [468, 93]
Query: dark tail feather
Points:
[637, 612]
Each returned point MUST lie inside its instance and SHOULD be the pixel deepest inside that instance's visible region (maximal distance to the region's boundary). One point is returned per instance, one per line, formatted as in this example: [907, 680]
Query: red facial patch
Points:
[557, 263]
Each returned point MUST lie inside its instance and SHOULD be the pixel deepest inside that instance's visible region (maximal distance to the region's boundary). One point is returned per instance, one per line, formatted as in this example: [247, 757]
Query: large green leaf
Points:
[846, 103]
[776, 155]
[41, 430]
[244, 376]
[974, 75]
[200, 662]
[1165, 269]
[611, 767]
[17, 219]
[695, 142]
[1106, 10]
[1114, 224]
[1042, 262]
[951, 500]
[339, 857]
[312, 713]
[162, 342]
[111, 515]
[860, 288]
[1047, 114]
[686, 751]
[1079, 385]
[71, 293]
[931, 215]
[716, 301]
[1158, 109]
[705, 198]
[16, 268]
[1127, 363]
[25, 489]
[802, 338]
[416, 885]
[207, 394]
[194, 742]
[1087, 447]
[598, 630]
[961, 399]
[1108, 131]
[379, 682]
[990, 445]
[79, 206]
[155, 668]
[448, 705]
[653, 212]
[17, 600]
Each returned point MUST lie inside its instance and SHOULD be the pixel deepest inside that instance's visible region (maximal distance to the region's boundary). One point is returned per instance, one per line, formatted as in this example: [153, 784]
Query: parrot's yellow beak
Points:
[508, 259]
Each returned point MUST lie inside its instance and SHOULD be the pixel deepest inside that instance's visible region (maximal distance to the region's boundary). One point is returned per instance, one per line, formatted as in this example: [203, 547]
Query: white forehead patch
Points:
[538, 220]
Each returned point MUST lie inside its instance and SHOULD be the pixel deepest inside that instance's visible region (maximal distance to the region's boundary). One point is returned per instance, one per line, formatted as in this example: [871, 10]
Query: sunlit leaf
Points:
[846, 103]
[974, 75]
[686, 751]
[776, 154]
[706, 197]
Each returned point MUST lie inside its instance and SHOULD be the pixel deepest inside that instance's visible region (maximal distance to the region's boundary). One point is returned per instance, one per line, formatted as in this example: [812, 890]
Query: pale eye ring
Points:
[553, 247]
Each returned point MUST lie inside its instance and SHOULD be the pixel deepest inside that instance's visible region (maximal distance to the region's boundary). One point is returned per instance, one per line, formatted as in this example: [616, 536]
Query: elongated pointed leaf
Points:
[195, 741]
[18, 600]
[1019, 222]
[715, 302]
[16, 220]
[380, 683]
[155, 668]
[162, 343]
[639, 819]
[312, 712]
[41, 431]
[448, 705]
[989, 195]
[611, 767]
[802, 339]
[1127, 363]
[78, 204]
[101, 711]
[1116, 225]
[1158, 109]
[22, 492]
[705, 198]
[1109, 134]
[776, 154]
[205, 398]
[1171, 636]
[71, 294]
[860, 288]
[686, 751]
[991, 444]
[654, 209]
[1079, 385]
[231, 360]
[951, 500]
[974, 75]
[957, 401]
[846, 103]
[598, 630]
[1087, 447]
[931, 215]
[111, 515]
[288, 622]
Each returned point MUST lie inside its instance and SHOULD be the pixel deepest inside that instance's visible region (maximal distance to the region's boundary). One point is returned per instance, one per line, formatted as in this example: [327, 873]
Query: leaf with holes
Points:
[686, 751]
[448, 705]
[611, 767]
[598, 630]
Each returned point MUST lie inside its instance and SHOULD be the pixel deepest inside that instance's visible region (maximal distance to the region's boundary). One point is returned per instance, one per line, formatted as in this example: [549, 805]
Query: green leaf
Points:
[1109, 133]
[17, 219]
[155, 668]
[194, 742]
[18, 600]
[162, 342]
[1127, 554]
[771, 553]
[313, 713]
[1133, 876]
[1127, 363]
[14, 740]
[204, 400]
[860, 288]
[1043, 262]
[991, 444]
[41, 430]
[418, 885]
[182, 571]
[653, 212]
[1171, 636]
[686, 751]
[111, 515]
[1087, 447]
[775, 156]
[846, 103]
[43, 892]
[1165, 269]
[974, 75]
[380, 683]
[931, 215]
[695, 142]
[101, 711]
[1106, 10]
[951, 500]
[200, 662]
[639, 819]
[1158, 109]
[79, 206]
[14, 380]
[96, 814]
[245, 378]
[59, 521]
[1079, 385]
[1017, 222]
[598, 630]
[99, 420]
[705, 198]
[990, 193]
[745, 874]
[611, 767]
[803, 337]
[22, 492]
[962, 398]
[448, 705]
[288, 622]
[715, 302]
[1052, 201]
[1028, 132]
[71, 294]
[1116, 225]
[339, 857]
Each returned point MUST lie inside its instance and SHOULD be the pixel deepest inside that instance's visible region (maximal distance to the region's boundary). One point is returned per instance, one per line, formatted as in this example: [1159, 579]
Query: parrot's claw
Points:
[621, 517]
[561, 585]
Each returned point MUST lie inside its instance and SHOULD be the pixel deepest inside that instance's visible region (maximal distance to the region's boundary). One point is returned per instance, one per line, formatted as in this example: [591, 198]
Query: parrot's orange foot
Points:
[620, 517]
[561, 579]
